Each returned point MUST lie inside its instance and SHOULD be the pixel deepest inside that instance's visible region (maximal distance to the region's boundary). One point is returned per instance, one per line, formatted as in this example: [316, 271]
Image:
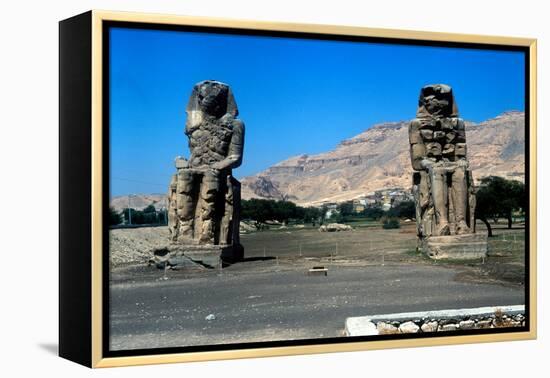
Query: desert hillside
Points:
[139, 201]
[375, 159]
[379, 158]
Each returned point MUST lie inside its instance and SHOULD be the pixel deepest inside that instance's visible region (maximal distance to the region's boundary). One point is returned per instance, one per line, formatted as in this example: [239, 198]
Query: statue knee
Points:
[185, 207]
[210, 187]
[184, 182]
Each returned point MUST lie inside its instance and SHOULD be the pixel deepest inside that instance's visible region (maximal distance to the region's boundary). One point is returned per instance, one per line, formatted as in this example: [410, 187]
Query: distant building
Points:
[358, 207]
[384, 198]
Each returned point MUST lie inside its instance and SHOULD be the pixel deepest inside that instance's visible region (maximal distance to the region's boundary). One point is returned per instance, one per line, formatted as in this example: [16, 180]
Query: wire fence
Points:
[328, 248]
[507, 243]
[364, 245]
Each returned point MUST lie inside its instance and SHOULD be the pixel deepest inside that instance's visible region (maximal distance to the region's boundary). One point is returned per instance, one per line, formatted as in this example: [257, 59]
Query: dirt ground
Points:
[368, 245]
[269, 296]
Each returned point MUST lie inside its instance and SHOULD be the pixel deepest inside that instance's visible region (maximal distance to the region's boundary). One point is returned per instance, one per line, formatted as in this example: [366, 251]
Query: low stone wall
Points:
[437, 321]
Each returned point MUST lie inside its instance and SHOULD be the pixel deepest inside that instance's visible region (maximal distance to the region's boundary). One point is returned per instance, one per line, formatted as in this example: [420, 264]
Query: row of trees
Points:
[496, 198]
[149, 215]
[263, 210]
[403, 209]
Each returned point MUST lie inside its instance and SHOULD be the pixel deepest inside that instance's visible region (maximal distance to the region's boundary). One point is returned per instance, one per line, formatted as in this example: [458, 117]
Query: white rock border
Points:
[366, 325]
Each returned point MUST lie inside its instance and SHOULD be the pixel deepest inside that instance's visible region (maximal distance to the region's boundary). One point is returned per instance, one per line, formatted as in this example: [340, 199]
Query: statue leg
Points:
[210, 188]
[185, 205]
[225, 225]
[440, 199]
[424, 207]
[459, 195]
[172, 209]
[471, 200]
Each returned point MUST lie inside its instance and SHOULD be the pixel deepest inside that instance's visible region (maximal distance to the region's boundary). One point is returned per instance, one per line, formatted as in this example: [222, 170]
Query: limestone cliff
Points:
[379, 158]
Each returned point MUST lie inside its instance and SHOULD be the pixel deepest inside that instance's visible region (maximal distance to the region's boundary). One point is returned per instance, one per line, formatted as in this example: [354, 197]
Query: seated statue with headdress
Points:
[204, 197]
[442, 181]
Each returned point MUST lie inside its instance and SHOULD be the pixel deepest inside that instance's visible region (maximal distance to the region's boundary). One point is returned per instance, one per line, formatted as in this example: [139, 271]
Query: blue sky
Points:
[294, 95]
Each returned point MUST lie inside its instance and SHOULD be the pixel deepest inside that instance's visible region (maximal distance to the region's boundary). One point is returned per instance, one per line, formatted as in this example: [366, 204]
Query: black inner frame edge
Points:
[107, 25]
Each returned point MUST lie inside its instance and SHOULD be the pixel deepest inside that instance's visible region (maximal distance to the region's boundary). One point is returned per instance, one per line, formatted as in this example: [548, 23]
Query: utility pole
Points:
[129, 210]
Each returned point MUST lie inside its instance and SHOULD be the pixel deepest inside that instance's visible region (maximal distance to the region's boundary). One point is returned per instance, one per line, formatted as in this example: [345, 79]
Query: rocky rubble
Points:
[498, 320]
[335, 227]
[135, 245]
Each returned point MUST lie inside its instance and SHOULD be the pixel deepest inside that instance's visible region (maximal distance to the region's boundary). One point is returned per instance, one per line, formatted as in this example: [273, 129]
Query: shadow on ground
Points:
[51, 348]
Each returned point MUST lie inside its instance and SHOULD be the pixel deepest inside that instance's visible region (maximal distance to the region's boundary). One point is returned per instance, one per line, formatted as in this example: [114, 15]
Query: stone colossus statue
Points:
[204, 197]
[442, 182]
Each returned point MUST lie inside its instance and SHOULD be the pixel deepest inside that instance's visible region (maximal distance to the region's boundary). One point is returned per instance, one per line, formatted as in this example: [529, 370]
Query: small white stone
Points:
[386, 328]
[466, 324]
[429, 326]
[360, 327]
[409, 327]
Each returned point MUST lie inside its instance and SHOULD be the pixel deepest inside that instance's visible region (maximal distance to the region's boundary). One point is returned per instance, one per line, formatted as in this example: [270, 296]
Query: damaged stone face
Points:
[203, 196]
[442, 182]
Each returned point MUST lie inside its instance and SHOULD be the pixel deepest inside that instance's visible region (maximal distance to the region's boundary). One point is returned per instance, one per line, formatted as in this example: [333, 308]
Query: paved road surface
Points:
[258, 301]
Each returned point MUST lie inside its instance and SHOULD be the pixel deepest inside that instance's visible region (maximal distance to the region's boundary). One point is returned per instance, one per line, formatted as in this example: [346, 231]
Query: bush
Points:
[390, 223]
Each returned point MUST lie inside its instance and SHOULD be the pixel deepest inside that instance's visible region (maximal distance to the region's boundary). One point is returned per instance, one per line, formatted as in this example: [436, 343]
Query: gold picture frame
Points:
[84, 36]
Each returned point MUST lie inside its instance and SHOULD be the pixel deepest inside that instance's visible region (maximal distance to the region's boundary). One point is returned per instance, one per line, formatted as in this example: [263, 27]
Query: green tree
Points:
[345, 209]
[136, 216]
[149, 215]
[114, 217]
[311, 214]
[257, 210]
[161, 216]
[150, 209]
[374, 212]
[263, 210]
[499, 197]
[404, 209]
[284, 210]
[323, 215]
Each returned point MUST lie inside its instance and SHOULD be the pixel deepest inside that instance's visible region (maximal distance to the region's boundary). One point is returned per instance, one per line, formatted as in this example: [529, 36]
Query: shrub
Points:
[390, 223]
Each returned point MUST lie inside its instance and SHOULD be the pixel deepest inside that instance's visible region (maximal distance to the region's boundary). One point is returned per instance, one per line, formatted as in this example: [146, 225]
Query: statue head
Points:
[213, 98]
[437, 100]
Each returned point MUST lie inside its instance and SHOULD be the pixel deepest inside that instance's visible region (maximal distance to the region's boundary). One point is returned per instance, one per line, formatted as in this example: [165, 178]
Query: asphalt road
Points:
[260, 300]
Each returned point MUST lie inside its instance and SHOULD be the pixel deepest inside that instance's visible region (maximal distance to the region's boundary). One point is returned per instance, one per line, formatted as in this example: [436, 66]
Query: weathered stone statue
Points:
[442, 181]
[204, 197]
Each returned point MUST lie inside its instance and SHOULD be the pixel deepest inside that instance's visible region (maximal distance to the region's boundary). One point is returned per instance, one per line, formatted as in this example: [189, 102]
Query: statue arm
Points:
[193, 121]
[460, 145]
[417, 147]
[235, 152]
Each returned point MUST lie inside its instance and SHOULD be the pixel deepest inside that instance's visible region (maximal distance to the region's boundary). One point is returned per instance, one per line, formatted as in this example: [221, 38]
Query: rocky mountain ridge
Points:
[378, 158]
[375, 159]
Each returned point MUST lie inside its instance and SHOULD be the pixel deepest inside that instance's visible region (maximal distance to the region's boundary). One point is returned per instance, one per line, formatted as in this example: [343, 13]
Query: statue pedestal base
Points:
[455, 247]
[188, 255]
